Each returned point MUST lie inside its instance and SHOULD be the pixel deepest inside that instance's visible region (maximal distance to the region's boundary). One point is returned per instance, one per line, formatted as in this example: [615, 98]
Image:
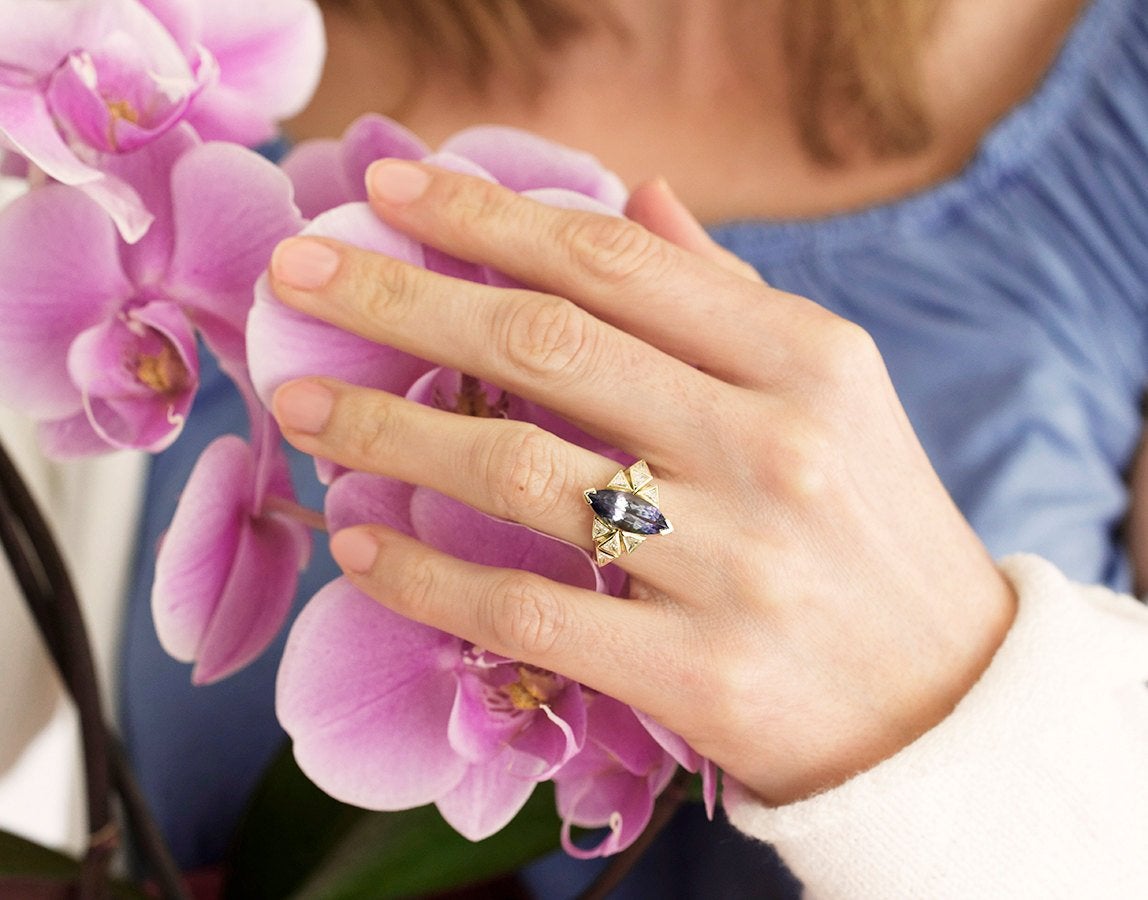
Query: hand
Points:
[820, 603]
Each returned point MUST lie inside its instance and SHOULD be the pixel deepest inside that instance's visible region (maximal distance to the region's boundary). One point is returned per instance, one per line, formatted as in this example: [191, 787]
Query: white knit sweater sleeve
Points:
[1035, 786]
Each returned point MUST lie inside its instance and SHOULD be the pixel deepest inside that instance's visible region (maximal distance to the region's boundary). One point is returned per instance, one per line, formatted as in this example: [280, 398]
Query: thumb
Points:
[654, 205]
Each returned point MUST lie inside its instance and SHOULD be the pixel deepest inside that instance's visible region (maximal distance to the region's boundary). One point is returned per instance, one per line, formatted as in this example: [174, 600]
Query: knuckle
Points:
[613, 250]
[531, 622]
[386, 290]
[525, 473]
[811, 457]
[372, 435]
[416, 586]
[843, 353]
[472, 203]
[546, 337]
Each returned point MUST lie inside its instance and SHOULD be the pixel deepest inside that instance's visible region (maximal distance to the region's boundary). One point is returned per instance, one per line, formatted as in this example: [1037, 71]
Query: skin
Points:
[821, 602]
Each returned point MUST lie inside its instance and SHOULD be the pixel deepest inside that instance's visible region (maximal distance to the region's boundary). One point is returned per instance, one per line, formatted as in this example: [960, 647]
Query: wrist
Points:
[867, 720]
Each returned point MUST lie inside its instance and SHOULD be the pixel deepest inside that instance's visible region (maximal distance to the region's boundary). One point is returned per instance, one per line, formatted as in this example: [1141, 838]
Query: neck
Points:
[696, 92]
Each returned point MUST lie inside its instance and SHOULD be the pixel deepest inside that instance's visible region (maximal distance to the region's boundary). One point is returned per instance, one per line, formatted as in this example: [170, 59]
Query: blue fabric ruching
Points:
[1011, 306]
[1011, 303]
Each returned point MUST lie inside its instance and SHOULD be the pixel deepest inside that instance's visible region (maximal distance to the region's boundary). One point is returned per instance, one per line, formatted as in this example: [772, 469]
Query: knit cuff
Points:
[1036, 784]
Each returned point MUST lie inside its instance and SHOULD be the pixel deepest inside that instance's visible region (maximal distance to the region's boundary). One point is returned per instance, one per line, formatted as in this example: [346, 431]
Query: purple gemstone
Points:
[627, 512]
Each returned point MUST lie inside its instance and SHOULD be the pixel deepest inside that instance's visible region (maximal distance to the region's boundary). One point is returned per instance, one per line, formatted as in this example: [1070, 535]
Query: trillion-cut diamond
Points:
[627, 512]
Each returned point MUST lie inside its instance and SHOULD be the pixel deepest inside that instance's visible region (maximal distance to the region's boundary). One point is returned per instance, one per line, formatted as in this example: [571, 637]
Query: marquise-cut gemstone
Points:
[627, 512]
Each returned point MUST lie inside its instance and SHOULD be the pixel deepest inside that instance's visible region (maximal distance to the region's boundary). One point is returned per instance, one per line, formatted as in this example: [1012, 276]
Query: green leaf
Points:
[297, 842]
[416, 852]
[39, 868]
[289, 828]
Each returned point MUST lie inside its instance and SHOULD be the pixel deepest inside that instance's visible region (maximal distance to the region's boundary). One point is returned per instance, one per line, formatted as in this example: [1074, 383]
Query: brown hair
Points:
[854, 62]
[855, 69]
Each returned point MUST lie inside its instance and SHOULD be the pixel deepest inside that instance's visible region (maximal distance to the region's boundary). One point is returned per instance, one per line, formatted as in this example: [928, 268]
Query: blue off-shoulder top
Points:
[1011, 306]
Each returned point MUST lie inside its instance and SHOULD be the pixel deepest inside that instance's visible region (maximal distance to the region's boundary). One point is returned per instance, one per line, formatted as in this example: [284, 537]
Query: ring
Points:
[625, 513]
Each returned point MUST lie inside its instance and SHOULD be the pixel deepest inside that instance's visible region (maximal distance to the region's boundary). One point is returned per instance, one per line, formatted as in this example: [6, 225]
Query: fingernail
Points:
[304, 264]
[354, 550]
[303, 406]
[396, 182]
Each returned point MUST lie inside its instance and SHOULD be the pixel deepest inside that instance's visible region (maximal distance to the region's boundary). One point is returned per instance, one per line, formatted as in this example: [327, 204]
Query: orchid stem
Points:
[145, 831]
[39, 568]
[667, 804]
[313, 519]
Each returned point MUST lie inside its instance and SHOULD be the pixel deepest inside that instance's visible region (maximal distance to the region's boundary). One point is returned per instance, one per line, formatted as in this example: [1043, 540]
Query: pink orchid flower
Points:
[471, 731]
[99, 343]
[268, 53]
[328, 173]
[81, 80]
[613, 781]
[456, 725]
[228, 566]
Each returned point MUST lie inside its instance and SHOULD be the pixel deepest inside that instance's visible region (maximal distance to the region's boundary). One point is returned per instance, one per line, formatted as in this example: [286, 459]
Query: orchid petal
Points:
[113, 98]
[554, 736]
[613, 781]
[672, 743]
[614, 726]
[251, 40]
[26, 124]
[120, 202]
[199, 548]
[230, 208]
[366, 696]
[38, 34]
[373, 137]
[138, 374]
[314, 168]
[522, 161]
[618, 800]
[361, 499]
[59, 275]
[256, 600]
[224, 578]
[482, 719]
[685, 756]
[284, 344]
[485, 801]
[147, 173]
[459, 164]
[455, 528]
[565, 198]
[182, 20]
[710, 778]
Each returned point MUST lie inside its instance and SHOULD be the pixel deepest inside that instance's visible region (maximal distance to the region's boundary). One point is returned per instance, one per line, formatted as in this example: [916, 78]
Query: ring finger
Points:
[511, 470]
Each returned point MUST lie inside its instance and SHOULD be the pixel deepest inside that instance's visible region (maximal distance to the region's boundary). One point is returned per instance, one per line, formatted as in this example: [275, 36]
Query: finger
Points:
[511, 470]
[535, 345]
[593, 638]
[655, 206]
[614, 268]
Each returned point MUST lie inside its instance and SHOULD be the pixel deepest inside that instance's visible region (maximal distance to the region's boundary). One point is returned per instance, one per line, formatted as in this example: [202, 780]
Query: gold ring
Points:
[625, 513]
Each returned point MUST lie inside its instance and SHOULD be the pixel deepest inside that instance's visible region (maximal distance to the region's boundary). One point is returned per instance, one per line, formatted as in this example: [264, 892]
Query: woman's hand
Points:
[820, 603]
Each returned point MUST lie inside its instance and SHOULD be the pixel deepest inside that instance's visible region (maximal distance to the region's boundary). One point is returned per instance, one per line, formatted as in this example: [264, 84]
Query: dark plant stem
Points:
[145, 832]
[40, 569]
[664, 808]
